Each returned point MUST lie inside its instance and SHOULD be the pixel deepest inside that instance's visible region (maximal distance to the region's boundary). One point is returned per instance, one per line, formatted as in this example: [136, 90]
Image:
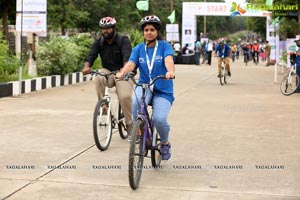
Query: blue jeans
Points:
[161, 110]
[197, 58]
[298, 72]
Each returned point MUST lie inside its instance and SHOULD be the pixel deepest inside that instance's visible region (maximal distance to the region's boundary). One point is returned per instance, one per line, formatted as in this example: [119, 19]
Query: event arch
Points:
[190, 11]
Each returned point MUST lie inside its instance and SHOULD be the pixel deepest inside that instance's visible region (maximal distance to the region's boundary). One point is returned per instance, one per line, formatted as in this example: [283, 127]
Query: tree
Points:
[8, 14]
[64, 14]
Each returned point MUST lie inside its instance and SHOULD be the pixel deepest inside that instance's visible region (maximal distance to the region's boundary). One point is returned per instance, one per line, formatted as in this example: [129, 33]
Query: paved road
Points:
[238, 141]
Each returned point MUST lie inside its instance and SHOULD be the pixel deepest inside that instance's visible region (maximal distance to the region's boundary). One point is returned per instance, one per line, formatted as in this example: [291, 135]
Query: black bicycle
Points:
[246, 57]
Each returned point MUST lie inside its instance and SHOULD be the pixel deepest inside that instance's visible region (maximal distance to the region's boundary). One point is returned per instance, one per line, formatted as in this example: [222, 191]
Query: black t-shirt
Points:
[113, 56]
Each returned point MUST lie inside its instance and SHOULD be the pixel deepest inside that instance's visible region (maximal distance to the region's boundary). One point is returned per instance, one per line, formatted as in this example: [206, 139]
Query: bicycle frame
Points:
[291, 71]
[106, 117]
[107, 97]
[290, 82]
[143, 114]
[147, 141]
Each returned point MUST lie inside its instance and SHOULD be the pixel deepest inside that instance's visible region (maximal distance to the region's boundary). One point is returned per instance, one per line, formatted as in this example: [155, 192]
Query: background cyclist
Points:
[154, 57]
[113, 57]
[298, 62]
[223, 50]
[255, 52]
[246, 52]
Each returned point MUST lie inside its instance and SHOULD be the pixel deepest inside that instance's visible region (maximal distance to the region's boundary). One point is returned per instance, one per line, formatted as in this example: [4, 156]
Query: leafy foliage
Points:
[83, 41]
[136, 37]
[8, 63]
[59, 56]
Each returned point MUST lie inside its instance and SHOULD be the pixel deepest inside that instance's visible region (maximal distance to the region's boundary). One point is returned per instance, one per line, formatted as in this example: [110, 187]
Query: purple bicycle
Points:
[144, 138]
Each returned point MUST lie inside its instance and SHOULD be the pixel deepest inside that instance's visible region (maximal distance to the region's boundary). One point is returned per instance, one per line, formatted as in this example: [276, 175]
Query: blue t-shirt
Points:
[223, 51]
[297, 57]
[162, 87]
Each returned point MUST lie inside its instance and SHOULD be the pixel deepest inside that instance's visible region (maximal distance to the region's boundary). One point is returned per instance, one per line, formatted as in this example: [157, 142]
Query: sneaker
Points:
[166, 151]
[229, 74]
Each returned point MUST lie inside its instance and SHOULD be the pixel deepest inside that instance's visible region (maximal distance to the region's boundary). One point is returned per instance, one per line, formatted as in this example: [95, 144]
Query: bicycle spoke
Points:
[102, 125]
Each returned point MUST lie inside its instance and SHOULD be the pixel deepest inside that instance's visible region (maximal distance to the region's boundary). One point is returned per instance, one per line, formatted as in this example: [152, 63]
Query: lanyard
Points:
[150, 65]
[223, 50]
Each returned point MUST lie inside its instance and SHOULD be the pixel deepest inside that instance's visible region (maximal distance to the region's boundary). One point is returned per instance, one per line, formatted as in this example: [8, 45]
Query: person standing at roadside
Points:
[267, 52]
[209, 49]
[114, 55]
[176, 47]
[197, 52]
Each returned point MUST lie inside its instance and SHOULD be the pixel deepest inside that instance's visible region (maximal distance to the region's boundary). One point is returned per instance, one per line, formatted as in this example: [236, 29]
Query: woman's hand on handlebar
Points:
[170, 75]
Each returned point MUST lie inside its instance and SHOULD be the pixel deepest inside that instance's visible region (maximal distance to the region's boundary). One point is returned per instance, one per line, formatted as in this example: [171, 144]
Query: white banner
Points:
[223, 9]
[190, 10]
[172, 28]
[189, 33]
[172, 37]
[32, 5]
[34, 16]
[273, 39]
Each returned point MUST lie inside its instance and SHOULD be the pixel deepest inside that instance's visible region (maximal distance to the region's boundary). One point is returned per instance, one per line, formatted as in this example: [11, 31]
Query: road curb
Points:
[41, 83]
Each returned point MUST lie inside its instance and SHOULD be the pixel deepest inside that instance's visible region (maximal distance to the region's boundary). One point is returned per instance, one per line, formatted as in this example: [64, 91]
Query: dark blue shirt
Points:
[225, 51]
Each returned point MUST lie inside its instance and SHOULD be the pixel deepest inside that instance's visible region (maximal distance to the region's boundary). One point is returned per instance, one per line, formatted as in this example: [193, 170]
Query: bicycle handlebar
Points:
[93, 72]
[131, 75]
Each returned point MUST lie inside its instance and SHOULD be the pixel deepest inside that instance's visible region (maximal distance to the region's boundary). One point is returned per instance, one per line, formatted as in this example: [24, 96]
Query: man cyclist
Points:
[154, 57]
[246, 52]
[223, 51]
[114, 55]
[233, 51]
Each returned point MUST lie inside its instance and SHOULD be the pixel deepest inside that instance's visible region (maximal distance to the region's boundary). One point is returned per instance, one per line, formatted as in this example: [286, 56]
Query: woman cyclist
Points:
[154, 57]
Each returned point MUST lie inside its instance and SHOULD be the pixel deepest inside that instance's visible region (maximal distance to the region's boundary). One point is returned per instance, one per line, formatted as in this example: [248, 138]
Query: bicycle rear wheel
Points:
[136, 155]
[155, 152]
[289, 84]
[102, 124]
[121, 124]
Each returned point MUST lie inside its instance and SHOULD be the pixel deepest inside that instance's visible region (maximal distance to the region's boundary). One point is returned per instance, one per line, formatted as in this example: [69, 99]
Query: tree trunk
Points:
[4, 18]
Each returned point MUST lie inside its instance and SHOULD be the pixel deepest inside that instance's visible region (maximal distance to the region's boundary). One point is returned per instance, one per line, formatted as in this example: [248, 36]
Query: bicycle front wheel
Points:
[102, 125]
[225, 76]
[136, 154]
[289, 84]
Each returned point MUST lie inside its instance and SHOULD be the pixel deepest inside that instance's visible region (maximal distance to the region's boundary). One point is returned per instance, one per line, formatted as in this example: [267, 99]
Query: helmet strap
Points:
[149, 42]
